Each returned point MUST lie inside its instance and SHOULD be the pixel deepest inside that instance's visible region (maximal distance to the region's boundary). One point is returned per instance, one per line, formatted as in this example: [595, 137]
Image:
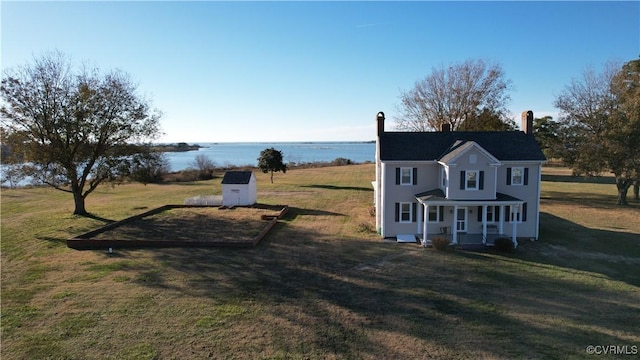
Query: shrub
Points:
[364, 227]
[503, 244]
[341, 162]
[440, 243]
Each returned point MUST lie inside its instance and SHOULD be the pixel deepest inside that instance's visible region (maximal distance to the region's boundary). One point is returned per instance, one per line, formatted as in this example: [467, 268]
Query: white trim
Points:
[517, 162]
[407, 162]
[383, 203]
[492, 159]
[538, 201]
[425, 211]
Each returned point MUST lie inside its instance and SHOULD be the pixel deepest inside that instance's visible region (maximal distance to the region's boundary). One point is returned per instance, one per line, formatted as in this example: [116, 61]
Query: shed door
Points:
[235, 196]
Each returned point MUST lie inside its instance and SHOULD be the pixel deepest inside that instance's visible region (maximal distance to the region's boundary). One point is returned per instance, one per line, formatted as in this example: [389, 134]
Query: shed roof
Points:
[417, 146]
[237, 177]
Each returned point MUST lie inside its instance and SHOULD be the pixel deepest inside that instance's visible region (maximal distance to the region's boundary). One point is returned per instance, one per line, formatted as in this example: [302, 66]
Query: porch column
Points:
[418, 220]
[501, 222]
[424, 225]
[514, 209]
[454, 228]
[484, 224]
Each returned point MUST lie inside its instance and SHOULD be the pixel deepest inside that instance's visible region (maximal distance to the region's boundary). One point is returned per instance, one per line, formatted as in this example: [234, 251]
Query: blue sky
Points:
[316, 71]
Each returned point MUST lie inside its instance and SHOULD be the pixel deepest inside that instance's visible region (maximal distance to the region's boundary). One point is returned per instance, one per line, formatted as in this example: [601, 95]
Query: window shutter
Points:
[441, 209]
[397, 212]
[462, 179]
[496, 213]
[397, 176]
[415, 176]
[414, 210]
[481, 180]
[526, 176]
[508, 176]
[507, 213]
[524, 212]
[479, 213]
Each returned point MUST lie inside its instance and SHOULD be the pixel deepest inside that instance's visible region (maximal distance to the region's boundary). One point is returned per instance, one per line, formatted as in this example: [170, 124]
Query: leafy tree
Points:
[148, 167]
[487, 121]
[547, 135]
[270, 160]
[77, 126]
[599, 115]
[454, 94]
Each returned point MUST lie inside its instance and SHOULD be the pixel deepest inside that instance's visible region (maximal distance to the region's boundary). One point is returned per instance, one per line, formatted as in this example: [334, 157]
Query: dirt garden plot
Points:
[185, 226]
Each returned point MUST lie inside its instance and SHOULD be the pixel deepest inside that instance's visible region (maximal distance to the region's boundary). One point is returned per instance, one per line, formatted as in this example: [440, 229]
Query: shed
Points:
[239, 188]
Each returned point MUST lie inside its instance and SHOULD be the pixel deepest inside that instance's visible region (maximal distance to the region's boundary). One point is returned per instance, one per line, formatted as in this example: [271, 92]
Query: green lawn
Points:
[321, 285]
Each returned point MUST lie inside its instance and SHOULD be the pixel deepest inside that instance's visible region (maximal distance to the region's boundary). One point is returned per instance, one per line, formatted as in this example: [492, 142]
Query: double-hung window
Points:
[490, 214]
[405, 212]
[472, 180]
[435, 214]
[493, 214]
[406, 176]
[517, 176]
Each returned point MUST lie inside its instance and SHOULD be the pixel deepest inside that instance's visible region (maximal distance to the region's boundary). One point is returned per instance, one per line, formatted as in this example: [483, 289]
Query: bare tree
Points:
[601, 123]
[205, 167]
[77, 127]
[454, 94]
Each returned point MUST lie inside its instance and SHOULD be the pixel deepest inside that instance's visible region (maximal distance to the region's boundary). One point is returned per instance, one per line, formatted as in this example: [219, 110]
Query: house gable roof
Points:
[431, 146]
[237, 177]
[461, 147]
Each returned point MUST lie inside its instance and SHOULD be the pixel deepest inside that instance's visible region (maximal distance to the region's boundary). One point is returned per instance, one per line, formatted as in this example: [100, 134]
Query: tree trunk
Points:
[623, 185]
[78, 200]
[272, 176]
[636, 190]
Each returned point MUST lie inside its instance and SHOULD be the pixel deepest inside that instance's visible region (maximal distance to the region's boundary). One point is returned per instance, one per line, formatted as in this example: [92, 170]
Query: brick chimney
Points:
[527, 122]
[380, 122]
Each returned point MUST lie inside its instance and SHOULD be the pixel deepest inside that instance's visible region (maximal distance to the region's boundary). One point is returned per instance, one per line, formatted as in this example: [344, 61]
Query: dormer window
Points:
[472, 180]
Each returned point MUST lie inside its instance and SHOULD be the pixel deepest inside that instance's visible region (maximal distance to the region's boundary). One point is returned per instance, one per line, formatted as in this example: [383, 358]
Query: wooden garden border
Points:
[86, 242]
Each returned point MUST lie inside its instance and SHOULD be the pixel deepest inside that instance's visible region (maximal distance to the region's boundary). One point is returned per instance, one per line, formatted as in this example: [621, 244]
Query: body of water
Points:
[240, 154]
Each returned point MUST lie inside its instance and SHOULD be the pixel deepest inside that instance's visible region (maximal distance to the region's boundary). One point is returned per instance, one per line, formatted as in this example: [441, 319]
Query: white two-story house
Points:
[471, 187]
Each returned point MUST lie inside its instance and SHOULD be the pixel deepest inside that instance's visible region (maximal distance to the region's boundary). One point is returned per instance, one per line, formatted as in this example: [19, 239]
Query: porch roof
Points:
[437, 197]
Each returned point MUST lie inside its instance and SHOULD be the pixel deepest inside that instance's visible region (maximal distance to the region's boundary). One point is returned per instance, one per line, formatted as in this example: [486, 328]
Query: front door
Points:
[461, 225]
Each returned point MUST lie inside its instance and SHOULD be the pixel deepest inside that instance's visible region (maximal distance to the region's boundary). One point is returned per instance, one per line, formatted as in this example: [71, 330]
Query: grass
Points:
[321, 285]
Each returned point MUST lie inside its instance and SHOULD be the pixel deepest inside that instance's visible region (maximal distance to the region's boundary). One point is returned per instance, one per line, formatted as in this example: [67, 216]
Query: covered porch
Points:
[452, 219]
